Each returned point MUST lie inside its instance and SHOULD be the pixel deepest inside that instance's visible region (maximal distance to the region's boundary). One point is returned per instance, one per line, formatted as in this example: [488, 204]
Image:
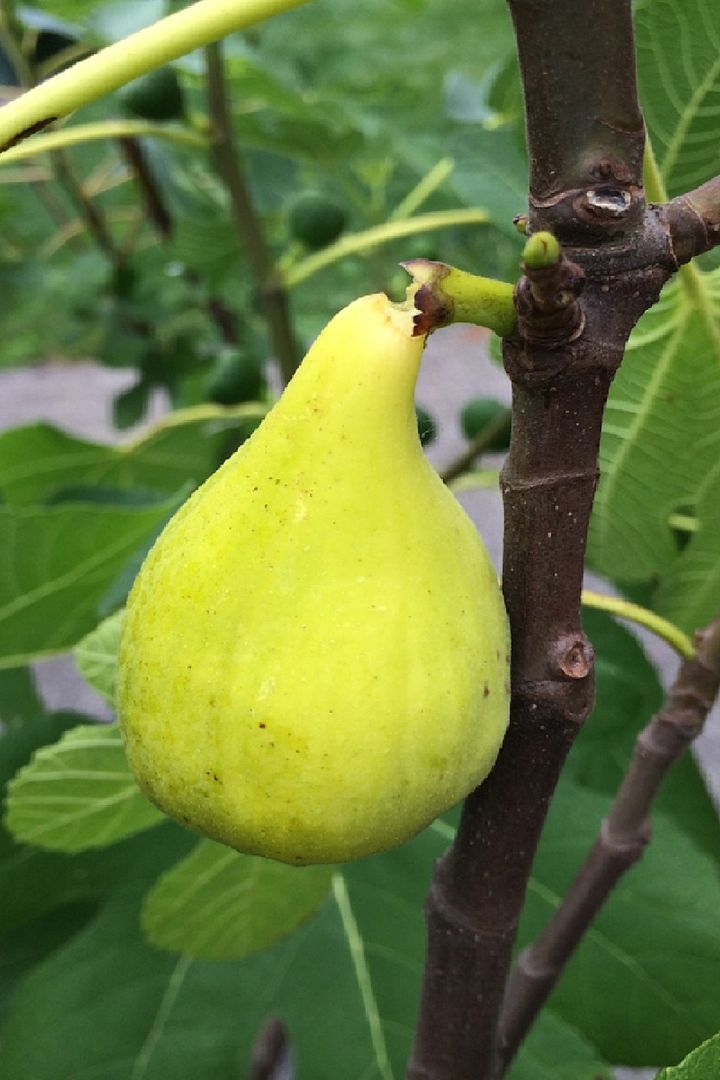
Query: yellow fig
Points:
[314, 658]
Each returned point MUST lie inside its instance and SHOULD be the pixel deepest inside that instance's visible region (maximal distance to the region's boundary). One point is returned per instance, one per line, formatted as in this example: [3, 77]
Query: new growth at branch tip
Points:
[546, 298]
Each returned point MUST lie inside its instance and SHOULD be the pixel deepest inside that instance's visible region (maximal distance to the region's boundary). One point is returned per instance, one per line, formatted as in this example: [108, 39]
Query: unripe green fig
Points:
[316, 220]
[236, 377]
[314, 659]
[478, 413]
[157, 95]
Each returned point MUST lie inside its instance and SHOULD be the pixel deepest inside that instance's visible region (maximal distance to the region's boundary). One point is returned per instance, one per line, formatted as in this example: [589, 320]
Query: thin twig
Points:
[621, 841]
[157, 211]
[90, 212]
[271, 293]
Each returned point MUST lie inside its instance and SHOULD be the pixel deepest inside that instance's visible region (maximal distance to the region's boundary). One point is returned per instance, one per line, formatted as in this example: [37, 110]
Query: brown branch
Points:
[580, 132]
[585, 132]
[91, 213]
[270, 292]
[693, 220]
[622, 839]
[158, 212]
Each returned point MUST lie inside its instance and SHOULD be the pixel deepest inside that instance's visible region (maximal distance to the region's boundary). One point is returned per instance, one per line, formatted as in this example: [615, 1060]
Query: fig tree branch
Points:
[270, 291]
[574, 317]
[621, 841]
[694, 220]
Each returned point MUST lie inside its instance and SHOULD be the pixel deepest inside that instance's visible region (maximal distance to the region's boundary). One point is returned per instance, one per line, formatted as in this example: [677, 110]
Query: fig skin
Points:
[314, 660]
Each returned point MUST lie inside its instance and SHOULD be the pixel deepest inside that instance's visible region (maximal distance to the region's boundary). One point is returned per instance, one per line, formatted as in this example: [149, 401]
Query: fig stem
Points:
[445, 294]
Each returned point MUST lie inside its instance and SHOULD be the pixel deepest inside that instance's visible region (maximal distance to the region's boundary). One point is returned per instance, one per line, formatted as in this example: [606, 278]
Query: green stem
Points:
[423, 189]
[197, 25]
[356, 243]
[446, 294]
[105, 129]
[624, 609]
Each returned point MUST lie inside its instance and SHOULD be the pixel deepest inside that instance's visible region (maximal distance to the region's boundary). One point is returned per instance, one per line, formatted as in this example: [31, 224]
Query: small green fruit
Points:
[427, 428]
[236, 377]
[478, 414]
[314, 658]
[155, 96]
[316, 220]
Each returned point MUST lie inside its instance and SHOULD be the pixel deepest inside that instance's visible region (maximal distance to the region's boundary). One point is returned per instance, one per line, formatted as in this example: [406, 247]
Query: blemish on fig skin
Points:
[262, 725]
[486, 691]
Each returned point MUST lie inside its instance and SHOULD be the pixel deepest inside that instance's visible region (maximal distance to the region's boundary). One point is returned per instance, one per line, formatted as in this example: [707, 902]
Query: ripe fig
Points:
[314, 661]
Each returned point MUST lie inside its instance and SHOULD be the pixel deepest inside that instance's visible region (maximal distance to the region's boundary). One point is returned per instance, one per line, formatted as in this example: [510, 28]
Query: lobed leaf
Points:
[661, 433]
[58, 563]
[78, 793]
[38, 460]
[642, 986]
[678, 56]
[701, 1064]
[96, 656]
[217, 904]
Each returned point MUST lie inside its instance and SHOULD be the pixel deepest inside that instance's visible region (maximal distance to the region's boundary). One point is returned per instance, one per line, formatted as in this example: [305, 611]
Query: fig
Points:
[314, 659]
[316, 220]
[156, 95]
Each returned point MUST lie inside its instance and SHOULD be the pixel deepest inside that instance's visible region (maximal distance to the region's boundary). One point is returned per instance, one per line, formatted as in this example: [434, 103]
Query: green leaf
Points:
[18, 696]
[27, 945]
[78, 793]
[554, 1050]
[701, 1064]
[130, 406]
[689, 592]
[58, 563]
[661, 434]
[96, 656]
[107, 1006]
[39, 459]
[33, 881]
[678, 55]
[220, 905]
[628, 694]
[642, 986]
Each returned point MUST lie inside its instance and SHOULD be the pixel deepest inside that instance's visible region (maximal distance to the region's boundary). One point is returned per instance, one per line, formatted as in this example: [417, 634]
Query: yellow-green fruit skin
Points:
[314, 658]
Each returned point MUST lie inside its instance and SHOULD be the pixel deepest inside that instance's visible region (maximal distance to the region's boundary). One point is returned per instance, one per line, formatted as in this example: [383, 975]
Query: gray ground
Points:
[78, 397]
